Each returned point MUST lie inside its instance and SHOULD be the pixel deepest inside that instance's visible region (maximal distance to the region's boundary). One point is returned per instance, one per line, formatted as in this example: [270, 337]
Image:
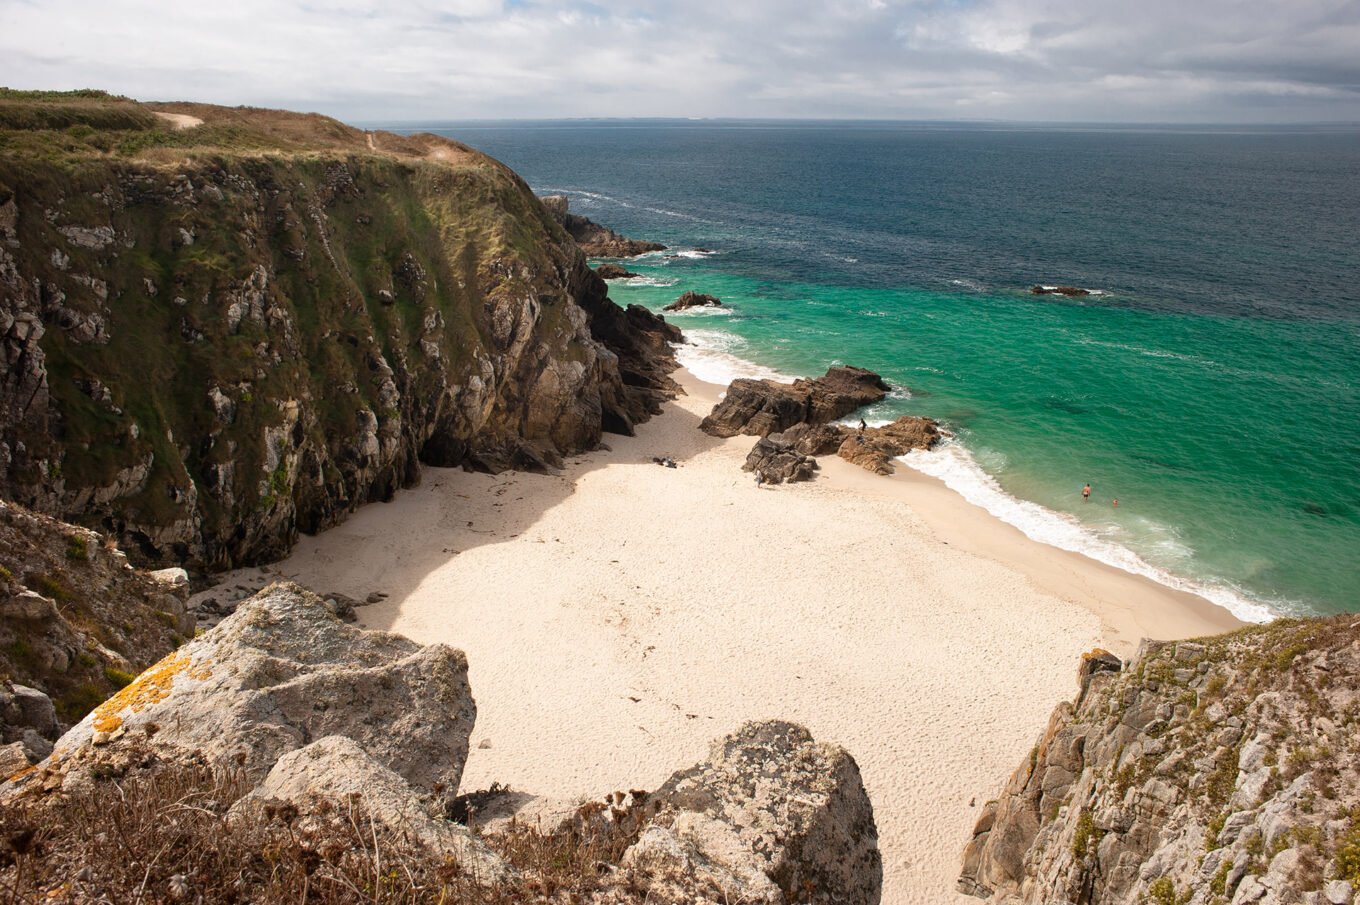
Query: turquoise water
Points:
[1213, 388]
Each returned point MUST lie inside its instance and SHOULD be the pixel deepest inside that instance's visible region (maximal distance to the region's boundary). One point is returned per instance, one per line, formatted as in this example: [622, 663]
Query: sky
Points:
[1200, 61]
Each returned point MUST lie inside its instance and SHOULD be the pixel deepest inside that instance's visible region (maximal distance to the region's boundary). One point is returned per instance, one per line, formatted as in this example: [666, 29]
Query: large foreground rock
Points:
[275, 676]
[771, 817]
[763, 407]
[1222, 770]
[336, 769]
[776, 462]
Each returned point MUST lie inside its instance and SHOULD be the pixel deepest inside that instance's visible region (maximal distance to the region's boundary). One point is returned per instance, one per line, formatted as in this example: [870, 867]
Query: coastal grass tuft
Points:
[162, 835]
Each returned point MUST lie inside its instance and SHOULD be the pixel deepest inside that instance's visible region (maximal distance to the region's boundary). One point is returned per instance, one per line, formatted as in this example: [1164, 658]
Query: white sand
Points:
[620, 616]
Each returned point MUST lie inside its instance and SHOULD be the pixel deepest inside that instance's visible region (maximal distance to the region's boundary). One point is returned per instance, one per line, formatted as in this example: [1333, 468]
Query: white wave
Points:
[967, 284]
[952, 464]
[693, 253]
[650, 281]
[714, 356]
[702, 311]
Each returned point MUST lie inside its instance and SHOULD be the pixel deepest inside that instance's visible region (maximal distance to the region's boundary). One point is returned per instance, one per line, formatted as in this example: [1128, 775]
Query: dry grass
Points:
[160, 835]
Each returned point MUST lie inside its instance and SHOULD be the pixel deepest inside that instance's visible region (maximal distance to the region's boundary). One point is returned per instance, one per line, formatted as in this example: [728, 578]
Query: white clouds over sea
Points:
[1155, 60]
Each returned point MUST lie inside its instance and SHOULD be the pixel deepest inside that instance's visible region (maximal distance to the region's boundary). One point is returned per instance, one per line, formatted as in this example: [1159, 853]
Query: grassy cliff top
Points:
[68, 125]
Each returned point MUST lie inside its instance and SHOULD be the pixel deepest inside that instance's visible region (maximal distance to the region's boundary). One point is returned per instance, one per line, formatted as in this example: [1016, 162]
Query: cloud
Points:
[1167, 60]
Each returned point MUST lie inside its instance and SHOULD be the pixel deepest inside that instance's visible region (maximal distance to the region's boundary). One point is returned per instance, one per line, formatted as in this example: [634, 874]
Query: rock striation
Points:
[1221, 770]
[692, 299]
[595, 240]
[763, 407]
[205, 353]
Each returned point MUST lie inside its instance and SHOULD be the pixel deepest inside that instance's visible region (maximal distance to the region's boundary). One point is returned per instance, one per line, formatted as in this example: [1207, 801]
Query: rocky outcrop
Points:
[1071, 291]
[76, 621]
[276, 675]
[776, 461]
[693, 299]
[608, 271]
[595, 240]
[875, 448]
[763, 407]
[205, 359]
[1222, 770]
[771, 817]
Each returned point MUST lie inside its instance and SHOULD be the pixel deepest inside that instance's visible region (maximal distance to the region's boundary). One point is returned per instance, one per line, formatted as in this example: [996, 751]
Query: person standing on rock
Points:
[862, 425]
[1086, 493]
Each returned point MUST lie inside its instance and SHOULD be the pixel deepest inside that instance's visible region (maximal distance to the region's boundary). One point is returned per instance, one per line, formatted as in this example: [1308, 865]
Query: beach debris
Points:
[664, 461]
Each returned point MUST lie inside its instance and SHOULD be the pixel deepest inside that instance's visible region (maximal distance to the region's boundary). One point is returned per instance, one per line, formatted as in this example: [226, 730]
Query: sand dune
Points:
[620, 615]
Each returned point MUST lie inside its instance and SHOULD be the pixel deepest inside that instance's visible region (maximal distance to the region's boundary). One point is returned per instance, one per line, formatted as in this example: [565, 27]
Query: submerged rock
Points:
[693, 299]
[1073, 291]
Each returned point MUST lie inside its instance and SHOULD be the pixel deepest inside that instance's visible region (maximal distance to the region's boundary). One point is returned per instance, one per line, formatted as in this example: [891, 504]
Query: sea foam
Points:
[952, 463]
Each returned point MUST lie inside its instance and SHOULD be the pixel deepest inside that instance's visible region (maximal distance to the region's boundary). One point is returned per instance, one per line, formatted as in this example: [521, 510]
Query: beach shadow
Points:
[454, 511]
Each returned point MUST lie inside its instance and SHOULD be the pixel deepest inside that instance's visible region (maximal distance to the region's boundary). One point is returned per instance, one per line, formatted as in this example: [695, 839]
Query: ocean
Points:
[1210, 382]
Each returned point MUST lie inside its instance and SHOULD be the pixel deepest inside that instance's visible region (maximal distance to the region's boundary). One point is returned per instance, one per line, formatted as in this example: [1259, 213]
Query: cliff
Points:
[1222, 770]
[214, 337]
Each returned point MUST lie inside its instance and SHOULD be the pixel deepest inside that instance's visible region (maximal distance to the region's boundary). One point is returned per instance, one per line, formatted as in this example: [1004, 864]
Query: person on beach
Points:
[1086, 493]
[760, 479]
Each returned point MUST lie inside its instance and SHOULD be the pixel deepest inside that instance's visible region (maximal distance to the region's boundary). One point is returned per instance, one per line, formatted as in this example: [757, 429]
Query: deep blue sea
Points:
[1211, 385]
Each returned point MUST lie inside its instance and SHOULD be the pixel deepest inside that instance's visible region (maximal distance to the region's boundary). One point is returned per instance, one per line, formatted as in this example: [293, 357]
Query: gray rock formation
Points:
[278, 674]
[1222, 770]
[336, 769]
[608, 271]
[763, 407]
[771, 817]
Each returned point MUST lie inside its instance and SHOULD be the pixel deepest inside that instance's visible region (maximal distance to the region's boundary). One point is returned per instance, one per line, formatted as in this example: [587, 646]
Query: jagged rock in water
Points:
[1071, 291]
[278, 673]
[693, 299]
[764, 407]
[335, 769]
[608, 271]
[777, 462]
[1221, 770]
[874, 448]
[75, 618]
[206, 358]
[771, 817]
[595, 240]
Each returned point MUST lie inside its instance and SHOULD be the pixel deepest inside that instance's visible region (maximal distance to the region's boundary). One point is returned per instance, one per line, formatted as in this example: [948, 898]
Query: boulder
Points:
[694, 300]
[607, 271]
[279, 673]
[336, 769]
[763, 407]
[771, 817]
[874, 448]
[776, 462]
[813, 439]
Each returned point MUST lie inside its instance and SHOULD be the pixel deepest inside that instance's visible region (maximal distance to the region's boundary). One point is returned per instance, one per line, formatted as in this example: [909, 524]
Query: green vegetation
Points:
[51, 587]
[118, 678]
[1348, 854]
[77, 548]
[1086, 837]
[1162, 891]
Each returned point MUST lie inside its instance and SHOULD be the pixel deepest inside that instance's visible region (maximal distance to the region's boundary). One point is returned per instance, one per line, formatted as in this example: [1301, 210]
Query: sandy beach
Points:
[620, 615]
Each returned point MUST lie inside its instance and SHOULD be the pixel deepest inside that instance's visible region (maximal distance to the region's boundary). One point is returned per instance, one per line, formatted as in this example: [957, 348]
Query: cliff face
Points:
[213, 338]
[1224, 770]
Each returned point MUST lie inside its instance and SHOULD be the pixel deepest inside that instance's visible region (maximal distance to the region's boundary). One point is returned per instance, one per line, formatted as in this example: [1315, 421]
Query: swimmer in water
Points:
[1086, 494]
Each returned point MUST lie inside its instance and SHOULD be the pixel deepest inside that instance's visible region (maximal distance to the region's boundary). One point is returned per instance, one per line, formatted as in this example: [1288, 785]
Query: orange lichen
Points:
[151, 687]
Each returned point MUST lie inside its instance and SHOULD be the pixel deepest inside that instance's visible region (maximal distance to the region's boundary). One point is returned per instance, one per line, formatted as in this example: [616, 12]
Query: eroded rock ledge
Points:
[1221, 770]
[314, 718]
[595, 240]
